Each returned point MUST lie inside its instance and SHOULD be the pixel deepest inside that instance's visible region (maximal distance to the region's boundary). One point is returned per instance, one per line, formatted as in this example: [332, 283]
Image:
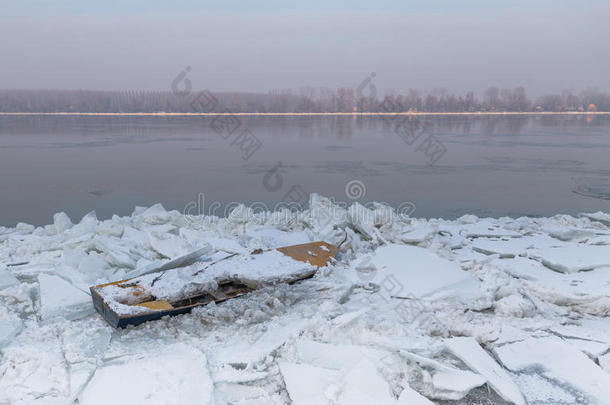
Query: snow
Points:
[558, 361]
[412, 311]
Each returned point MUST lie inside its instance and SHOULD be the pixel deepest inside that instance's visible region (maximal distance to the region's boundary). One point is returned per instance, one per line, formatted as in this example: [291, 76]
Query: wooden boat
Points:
[149, 307]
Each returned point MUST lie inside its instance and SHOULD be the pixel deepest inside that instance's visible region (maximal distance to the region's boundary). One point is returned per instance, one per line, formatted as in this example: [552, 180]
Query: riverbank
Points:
[409, 312]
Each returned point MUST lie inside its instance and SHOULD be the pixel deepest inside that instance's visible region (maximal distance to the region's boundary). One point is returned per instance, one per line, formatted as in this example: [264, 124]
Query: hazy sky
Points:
[546, 46]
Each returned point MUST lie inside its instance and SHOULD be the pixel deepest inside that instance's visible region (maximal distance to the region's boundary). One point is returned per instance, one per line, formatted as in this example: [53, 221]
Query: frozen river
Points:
[445, 166]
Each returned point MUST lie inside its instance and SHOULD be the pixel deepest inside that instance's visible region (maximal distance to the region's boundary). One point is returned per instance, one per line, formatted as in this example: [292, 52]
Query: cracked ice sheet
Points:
[358, 384]
[560, 362]
[414, 271]
[468, 350]
[33, 367]
[178, 374]
[239, 350]
[553, 286]
[481, 229]
[573, 258]
[510, 247]
[58, 298]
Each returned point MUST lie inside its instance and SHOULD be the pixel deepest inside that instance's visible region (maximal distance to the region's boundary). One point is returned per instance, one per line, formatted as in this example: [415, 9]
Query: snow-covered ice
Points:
[412, 311]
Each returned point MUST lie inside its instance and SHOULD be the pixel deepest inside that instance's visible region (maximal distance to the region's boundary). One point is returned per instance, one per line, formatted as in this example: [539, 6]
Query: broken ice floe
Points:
[558, 361]
[570, 259]
[10, 325]
[408, 271]
[358, 383]
[178, 374]
[60, 298]
[533, 291]
[469, 351]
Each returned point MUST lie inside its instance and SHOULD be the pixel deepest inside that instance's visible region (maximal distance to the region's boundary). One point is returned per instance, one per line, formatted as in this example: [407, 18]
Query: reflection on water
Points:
[493, 165]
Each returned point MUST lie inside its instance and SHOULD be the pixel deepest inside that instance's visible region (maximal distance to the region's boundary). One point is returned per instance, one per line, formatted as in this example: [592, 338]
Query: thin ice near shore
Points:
[413, 311]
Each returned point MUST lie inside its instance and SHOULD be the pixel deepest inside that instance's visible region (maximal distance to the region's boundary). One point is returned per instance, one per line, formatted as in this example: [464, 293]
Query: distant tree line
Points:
[307, 99]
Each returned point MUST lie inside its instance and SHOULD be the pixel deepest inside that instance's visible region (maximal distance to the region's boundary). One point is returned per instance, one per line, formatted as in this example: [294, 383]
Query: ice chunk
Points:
[240, 351]
[7, 279]
[85, 343]
[60, 298]
[10, 325]
[409, 396]
[334, 356]
[468, 350]
[229, 374]
[457, 382]
[511, 247]
[269, 237]
[87, 224]
[514, 305]
[363, 385]
[111, 228]
[448, 382]
[116, 252]
[597, 329]
[62, 222]
[180, 261]
[306, 384]
[590, 348]
[604, 362]
[414, 271]
[599, 216]
[417, 234]
[347, 318]
[241, 394]
[169, 246]
[573, 258]
[177, 374]
[358, 384]
[560, 362]
[566, 233]
[487, 229]
[33, 369]
[562, 289]
[80, 373]
[155, 215]
[539, 390]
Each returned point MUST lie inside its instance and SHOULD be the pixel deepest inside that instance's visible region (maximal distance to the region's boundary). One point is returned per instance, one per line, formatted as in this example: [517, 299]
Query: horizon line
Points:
[296, 114]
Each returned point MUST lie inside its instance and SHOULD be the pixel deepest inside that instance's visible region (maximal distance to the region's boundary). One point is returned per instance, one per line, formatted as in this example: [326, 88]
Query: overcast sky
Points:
[546, 46]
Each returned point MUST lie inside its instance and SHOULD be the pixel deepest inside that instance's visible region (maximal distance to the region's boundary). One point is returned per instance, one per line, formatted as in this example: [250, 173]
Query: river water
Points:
[442, 166]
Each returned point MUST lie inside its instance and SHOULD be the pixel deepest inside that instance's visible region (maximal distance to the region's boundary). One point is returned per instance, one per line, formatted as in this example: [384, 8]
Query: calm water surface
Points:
[492, 166]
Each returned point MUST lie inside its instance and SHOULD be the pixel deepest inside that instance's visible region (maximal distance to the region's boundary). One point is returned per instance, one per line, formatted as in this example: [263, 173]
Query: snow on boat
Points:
[177, 291]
